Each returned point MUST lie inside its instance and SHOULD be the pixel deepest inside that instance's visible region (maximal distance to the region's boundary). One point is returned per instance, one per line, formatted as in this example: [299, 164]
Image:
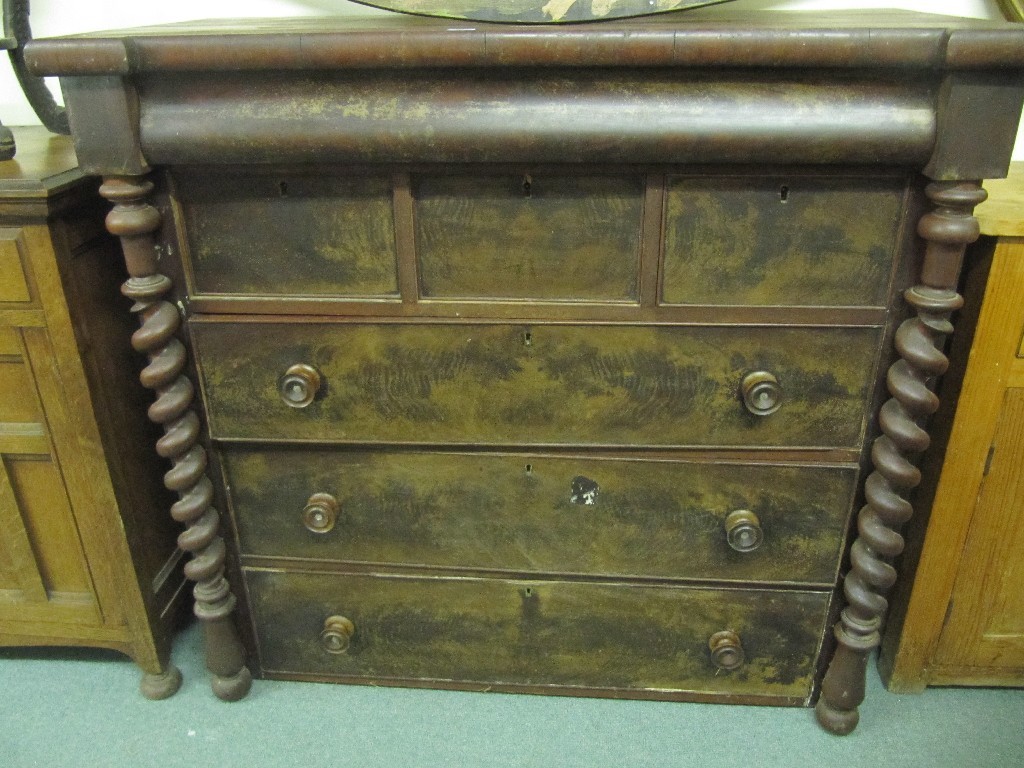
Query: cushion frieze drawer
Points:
[539, 385]
[289, 234]
[631, 639]
[543, 514]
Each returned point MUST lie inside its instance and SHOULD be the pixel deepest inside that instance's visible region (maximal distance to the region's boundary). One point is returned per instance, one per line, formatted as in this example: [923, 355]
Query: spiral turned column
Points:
[919, 341]
[134, 221]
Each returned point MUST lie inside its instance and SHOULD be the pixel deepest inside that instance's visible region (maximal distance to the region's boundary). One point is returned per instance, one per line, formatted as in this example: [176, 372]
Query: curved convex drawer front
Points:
[543, 514]
[289, 234]
[481, 631]
[552, 384]
[780, 241]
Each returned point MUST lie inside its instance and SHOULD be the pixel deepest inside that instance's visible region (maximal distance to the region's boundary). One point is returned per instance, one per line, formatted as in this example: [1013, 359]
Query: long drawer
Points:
[660, 641]
[543, 514]
[497, 384]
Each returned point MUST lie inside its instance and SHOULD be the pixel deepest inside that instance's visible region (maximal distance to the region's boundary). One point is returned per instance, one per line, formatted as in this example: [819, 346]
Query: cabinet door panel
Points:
[986, 624]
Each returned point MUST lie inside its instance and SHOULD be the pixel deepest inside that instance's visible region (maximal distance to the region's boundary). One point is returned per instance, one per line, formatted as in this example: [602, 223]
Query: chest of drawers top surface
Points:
[695, 88]
[547, 358]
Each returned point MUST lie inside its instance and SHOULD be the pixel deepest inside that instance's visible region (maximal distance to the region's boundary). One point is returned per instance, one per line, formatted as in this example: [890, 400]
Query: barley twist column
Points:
[134, 221]
[919, 340]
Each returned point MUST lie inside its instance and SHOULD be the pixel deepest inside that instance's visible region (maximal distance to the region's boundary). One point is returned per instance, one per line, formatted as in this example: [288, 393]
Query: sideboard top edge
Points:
[779, 39]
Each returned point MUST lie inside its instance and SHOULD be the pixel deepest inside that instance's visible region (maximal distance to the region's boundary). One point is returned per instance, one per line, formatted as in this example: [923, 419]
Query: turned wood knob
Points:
[726, 650]
[336, 634]
[762, 394]
[320, 513]
[743, 530]
[299, 385]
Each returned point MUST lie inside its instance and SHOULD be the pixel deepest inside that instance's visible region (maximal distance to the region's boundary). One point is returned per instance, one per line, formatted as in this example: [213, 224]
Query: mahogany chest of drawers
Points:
[546, 359]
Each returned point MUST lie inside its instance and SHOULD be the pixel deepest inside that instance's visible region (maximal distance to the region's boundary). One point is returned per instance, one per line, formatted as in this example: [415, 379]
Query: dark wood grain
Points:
[289, 234]
[550, 633]
[548, 384]
[517, 513]
[782, 240]
[871, 39]
[529, 235]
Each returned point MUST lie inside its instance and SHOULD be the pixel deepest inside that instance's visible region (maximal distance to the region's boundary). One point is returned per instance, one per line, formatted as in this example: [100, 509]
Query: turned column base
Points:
[161, 685]
[230, 678]
[234, 688]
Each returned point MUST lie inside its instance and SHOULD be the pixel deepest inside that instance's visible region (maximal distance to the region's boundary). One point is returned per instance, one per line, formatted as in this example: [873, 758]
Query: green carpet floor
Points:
[80, 709]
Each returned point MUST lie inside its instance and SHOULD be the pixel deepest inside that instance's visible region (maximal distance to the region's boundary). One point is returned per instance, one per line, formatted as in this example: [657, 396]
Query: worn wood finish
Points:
[133, 220]
[867, 39]
[530, 235]
[550, 384]
[584, 117]
[920, 340]
[295, 234]
[76, 565]
[530, 513]
[532, 370]
[782, 240]
[956, 627]
[627, 637]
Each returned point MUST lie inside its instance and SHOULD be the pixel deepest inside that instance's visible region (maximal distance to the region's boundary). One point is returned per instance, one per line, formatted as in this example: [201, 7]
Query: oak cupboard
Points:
[87, 553]
[963, 621]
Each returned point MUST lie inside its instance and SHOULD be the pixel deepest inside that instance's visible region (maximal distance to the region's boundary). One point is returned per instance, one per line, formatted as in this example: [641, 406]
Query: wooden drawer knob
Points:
[726, 650]
[336, 635]
[762, 394]
[743, 530]
[320, 513]
[299, 385]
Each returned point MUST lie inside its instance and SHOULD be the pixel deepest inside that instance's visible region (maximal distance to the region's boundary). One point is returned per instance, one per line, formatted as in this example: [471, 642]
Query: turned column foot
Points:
[232, 688]
[838, 722]
[161, 685]
[842, 691]
[135, 221]
[919, 341]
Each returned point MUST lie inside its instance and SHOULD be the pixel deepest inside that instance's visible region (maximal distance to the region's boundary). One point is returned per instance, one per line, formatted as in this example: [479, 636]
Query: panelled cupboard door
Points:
[985, 630]
[964, 618]
[81, 562]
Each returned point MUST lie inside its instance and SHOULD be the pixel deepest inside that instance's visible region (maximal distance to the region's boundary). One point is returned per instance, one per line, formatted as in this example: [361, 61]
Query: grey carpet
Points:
[80, 708]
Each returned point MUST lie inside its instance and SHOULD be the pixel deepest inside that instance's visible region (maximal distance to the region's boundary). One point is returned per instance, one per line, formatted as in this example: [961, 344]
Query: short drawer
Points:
[543, 514]
[539, 236]
[543, 635]
[780, 240]
[546, 384]
[288, 234]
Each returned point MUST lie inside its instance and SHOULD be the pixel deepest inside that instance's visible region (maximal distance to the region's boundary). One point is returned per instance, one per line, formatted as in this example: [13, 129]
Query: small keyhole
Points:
[784, 194]
[527, 186]
[529, 469]
[528, 338]
[283, 188]
[528, 592]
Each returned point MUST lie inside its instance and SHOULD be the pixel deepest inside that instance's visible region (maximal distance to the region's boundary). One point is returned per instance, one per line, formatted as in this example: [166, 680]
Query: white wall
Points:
[63, 17]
